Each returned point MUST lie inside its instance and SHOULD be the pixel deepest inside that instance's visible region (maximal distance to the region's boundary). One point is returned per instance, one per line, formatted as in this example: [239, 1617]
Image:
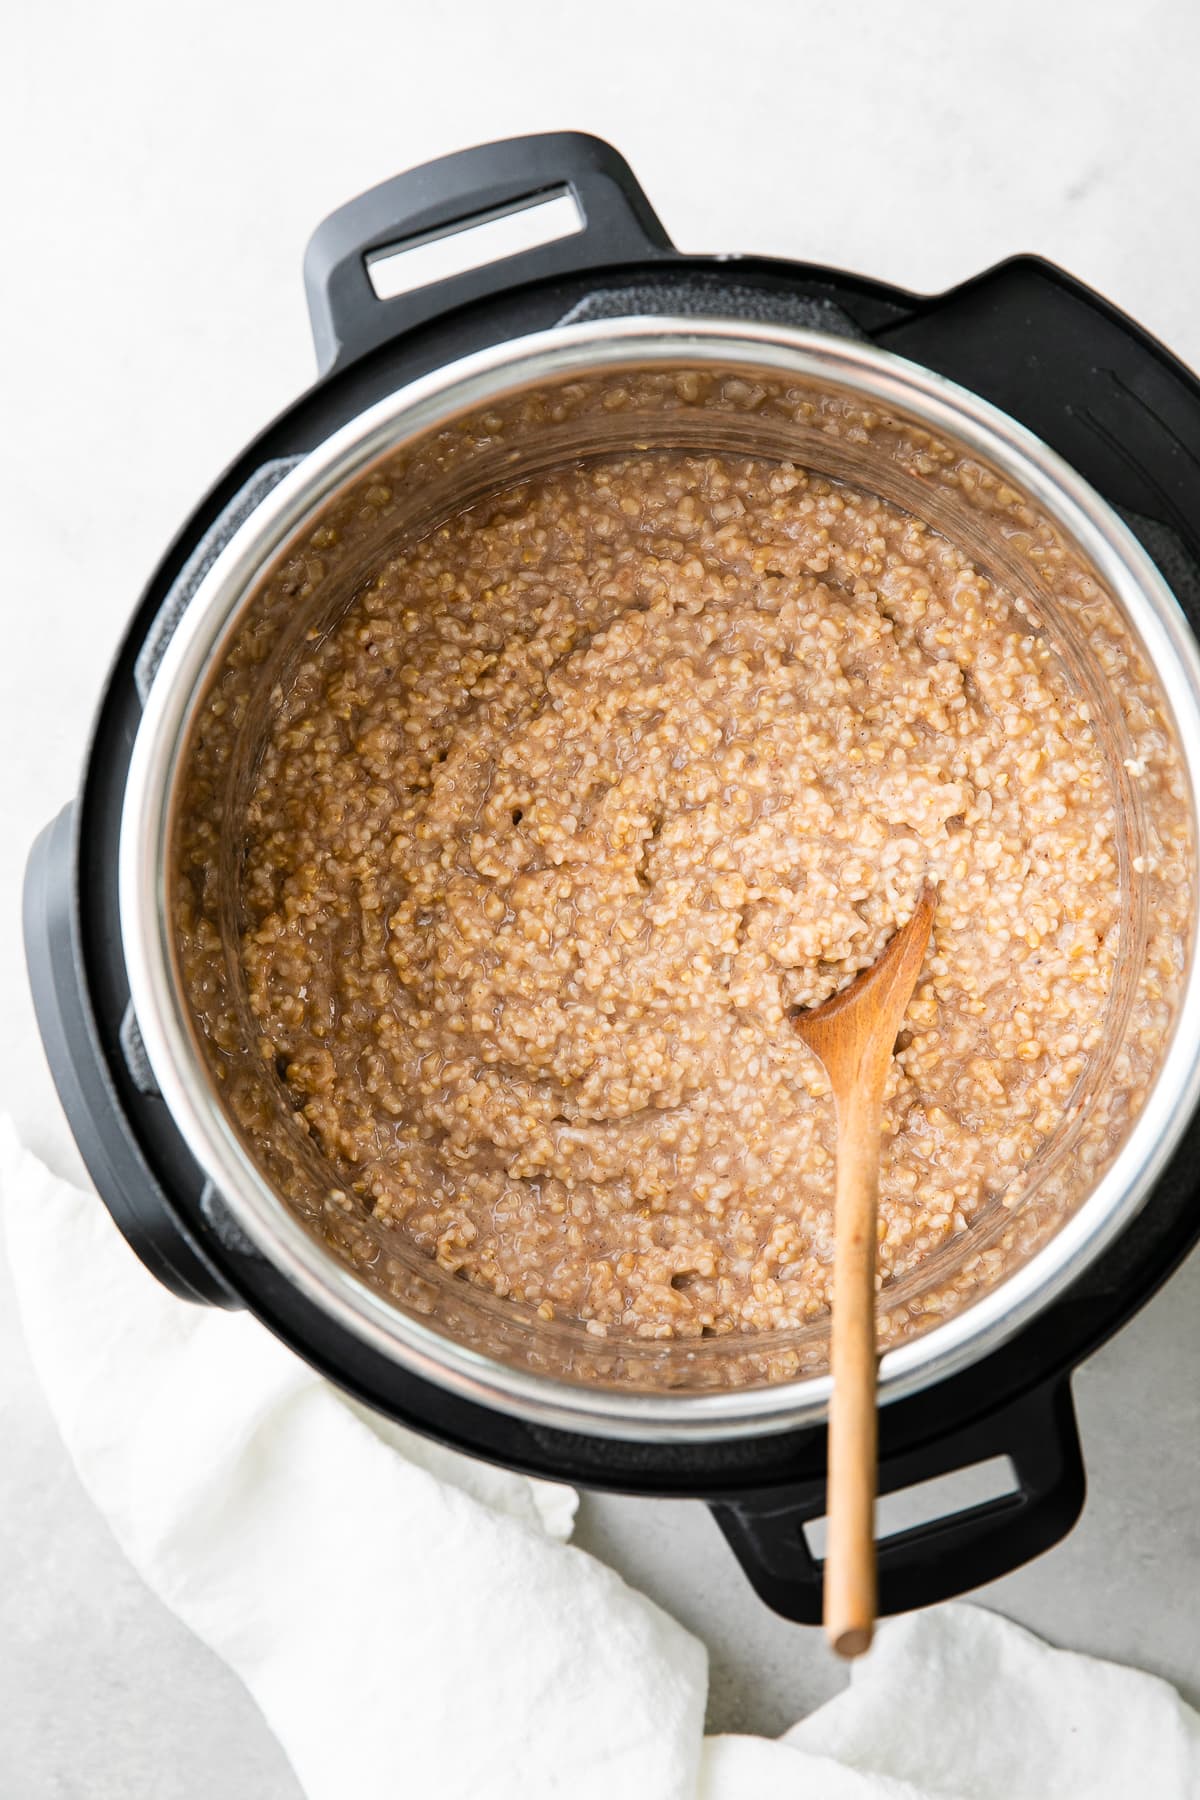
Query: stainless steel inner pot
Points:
[838, 407]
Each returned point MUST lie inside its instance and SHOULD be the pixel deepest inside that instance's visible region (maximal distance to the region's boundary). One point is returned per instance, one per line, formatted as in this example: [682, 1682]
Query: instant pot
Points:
[1084, 436]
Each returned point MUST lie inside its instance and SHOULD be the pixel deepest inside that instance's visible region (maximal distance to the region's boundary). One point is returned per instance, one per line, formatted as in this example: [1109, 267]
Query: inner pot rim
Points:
[179, 686]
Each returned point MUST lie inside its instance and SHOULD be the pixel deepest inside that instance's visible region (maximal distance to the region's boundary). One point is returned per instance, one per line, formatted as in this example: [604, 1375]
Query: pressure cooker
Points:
[455, 388]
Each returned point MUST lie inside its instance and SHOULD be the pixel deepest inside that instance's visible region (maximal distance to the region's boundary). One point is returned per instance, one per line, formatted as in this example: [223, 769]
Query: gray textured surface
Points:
[236, 511]
[711, 297]
[153, 320]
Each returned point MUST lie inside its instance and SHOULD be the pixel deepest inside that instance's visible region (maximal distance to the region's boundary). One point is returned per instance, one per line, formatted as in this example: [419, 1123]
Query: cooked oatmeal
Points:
[590, 787]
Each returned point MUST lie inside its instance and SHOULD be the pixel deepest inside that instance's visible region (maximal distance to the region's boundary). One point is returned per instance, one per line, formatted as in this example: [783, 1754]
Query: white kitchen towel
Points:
[411, 1623]
[407, 1619]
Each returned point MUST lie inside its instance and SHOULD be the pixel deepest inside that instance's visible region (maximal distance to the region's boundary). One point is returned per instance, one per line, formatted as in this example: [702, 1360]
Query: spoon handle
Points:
[853, 1414]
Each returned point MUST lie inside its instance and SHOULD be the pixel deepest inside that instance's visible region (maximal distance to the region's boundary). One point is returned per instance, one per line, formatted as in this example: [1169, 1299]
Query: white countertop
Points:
[163, 169]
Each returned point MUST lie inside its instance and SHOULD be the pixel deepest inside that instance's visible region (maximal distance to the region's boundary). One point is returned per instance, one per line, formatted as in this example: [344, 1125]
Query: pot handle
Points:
[947, 1556]
[78, 1064]
[440, 198]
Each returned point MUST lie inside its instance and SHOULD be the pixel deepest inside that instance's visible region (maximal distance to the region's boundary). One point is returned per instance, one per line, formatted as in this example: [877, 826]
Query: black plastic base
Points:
[82, 1074]
[1029, 338]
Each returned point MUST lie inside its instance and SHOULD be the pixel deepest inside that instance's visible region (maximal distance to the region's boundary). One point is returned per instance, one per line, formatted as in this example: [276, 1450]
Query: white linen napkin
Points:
[410, 1621]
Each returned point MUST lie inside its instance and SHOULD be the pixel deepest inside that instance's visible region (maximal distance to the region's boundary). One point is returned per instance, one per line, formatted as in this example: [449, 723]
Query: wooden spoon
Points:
[854, 1034]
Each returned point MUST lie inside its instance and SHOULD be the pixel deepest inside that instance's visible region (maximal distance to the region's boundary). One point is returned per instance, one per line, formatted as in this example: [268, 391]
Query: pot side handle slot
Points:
[583, 191]
[1025, 1458]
